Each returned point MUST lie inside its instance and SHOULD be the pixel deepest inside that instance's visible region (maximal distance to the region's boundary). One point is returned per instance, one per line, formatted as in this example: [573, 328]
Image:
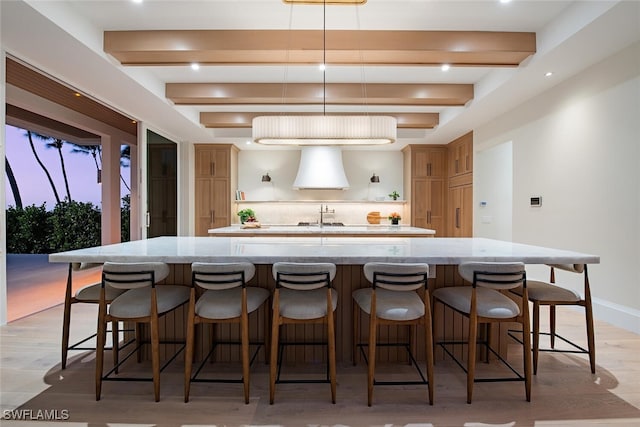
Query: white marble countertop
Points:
[315, 229]
[339, 250]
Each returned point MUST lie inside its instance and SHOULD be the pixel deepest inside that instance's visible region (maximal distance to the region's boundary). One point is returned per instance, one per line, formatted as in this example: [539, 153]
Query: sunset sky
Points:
[32, 181]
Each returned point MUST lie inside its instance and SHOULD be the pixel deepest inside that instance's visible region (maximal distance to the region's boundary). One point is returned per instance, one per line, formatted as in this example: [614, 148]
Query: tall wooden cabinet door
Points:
[436, 217]
[428, 204]
[461, 211]
[212, 187]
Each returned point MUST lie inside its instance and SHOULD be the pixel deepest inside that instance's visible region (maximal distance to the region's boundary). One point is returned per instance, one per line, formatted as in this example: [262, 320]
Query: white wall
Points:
[282, 166]
[493, 192]
[578, 146]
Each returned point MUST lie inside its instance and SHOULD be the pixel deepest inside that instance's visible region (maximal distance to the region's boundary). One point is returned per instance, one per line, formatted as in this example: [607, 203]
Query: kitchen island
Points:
[316, 230]
[349, 253]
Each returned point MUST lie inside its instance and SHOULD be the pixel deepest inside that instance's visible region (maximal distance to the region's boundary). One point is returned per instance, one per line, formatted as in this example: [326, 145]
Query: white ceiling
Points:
[64, 39]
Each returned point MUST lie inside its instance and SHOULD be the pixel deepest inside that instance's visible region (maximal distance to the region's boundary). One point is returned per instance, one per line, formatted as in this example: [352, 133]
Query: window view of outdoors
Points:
[53, 203]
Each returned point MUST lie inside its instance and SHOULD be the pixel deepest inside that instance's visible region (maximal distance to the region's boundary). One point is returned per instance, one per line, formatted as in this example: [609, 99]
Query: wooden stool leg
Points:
[100, 341]
[471, 363]
[428, 332]
[536, 335]
[355, 311]
[373, 326]
[66, 322]
[552, 325]
[275, 330]
[244, 327]
[331, 337]
[188, 357]
[590, 337]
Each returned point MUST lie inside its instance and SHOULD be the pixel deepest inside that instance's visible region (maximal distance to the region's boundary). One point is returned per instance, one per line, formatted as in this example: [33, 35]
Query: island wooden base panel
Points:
[450, 325]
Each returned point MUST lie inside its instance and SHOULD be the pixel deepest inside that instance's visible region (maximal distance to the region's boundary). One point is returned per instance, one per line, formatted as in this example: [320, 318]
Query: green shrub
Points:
[28, 230]
[125, 219]
[74, 225]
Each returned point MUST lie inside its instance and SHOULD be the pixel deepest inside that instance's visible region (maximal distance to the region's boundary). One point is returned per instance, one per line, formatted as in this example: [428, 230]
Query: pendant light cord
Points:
[324, 58]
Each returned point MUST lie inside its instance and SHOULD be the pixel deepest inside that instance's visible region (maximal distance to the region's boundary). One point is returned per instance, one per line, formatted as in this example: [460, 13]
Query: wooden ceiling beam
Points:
[312, 94]
[343, 47]
[243, 119]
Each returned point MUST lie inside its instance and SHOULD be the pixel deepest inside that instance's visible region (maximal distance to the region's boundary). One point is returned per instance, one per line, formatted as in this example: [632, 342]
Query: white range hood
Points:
[321, 169]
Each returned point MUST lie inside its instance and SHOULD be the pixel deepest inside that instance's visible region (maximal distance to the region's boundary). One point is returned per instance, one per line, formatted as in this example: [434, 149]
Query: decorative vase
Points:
[394, 221]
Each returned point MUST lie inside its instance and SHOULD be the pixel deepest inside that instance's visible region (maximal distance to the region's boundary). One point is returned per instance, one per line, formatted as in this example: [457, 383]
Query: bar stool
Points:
[392, 300]
[143, 302]
[303, 294]
[226, 299]
[542, 293]
[89, 294]
[483, 303]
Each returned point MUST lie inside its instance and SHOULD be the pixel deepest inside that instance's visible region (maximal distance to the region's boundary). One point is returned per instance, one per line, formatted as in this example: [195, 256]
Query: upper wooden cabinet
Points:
[215, 177]
[428, 162]
[212, 161]
[460, 155]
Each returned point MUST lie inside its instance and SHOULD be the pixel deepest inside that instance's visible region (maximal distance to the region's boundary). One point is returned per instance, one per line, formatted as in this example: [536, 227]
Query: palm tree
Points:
[57, 143]
[13, 183]
[125, 161]
[44, 168]
[93, 150]
[96, 152]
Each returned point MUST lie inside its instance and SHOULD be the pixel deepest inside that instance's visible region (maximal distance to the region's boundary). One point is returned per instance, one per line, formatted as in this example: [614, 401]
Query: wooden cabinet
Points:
[429, 162]
[460, 155]
[460, 197]
[215, 176]
[428, 204]
[460, 211]
[425, 186]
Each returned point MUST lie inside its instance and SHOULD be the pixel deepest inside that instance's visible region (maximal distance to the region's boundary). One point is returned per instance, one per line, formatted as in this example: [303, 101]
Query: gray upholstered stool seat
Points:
[91, 293]
[489, 302]
[227, 304]
[543, 291]
[134, 303]
[391, 305]
[305, 305]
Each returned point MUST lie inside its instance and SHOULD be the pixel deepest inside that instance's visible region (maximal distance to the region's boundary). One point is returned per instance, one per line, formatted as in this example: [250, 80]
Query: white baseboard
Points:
[618, 315]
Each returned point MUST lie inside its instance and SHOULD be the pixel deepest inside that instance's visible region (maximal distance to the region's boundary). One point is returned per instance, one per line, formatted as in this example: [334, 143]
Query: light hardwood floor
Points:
[565, 393]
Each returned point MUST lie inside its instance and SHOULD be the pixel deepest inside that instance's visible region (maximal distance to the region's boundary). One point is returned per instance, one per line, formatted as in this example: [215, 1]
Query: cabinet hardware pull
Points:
[457, 217]
[428, 217]
[428, 169]
[456, 168]
[213, 168]
[213, 215]
[466, 162]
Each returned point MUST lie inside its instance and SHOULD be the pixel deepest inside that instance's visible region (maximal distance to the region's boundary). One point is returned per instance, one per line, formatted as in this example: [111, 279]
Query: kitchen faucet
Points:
[322, 212]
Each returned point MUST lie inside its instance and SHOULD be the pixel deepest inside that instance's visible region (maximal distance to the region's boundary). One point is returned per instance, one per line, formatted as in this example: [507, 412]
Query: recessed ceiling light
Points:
[78, 94]
[195, 66]
[137, 1]
[505, 1]
[445, 67]
[548, 74]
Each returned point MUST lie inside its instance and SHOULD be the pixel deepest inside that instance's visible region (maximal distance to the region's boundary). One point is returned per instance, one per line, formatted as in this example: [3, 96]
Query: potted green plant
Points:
[394, 195]
[247, 215]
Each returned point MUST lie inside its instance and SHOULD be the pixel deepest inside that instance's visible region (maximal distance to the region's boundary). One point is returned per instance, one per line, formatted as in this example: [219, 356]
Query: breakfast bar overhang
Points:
[348, 253]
